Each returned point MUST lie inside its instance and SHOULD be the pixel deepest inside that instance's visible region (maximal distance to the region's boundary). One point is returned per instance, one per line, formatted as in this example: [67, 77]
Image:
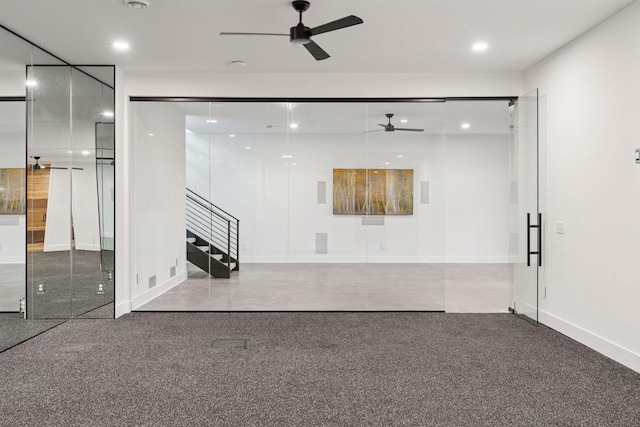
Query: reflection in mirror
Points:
[69, 273]
[15, 56]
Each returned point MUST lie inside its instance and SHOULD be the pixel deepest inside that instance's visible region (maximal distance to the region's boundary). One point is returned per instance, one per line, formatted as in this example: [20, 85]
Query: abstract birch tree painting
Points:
[12, 191]
[373, 191]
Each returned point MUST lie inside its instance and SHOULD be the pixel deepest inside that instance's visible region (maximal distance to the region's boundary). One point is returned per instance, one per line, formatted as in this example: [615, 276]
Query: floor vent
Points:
[230, 343]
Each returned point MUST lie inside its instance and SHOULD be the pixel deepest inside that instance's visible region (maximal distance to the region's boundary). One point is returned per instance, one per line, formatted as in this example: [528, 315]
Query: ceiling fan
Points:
[39, 166]
[391, 128]
[301, 35]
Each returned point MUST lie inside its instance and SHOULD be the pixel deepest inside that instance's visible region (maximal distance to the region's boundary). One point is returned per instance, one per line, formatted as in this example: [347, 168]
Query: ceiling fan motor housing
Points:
[299, 34]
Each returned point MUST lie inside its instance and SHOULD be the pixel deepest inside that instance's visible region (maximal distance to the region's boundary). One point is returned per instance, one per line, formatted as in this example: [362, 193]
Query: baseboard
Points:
[610, 349]
[87, 247]
[158, 290]
[477, 260]
[323, 259]
[123, 308]
[13, 260]
[57, 248]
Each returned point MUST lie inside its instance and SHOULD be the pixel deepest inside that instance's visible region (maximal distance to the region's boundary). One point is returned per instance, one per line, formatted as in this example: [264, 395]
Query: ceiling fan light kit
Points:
[301, 34]
[137, 4]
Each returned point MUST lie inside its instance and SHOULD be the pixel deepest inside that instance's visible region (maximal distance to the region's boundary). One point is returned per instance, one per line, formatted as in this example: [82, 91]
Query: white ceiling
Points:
[408, 36]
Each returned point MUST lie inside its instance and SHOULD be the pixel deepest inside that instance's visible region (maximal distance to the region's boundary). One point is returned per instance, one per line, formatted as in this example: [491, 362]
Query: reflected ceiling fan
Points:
[391, 128]
[301, 35]
[38, 166]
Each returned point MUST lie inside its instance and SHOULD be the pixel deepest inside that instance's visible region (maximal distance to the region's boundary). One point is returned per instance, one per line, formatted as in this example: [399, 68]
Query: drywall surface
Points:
[158, 205]
[589, 111]
[460, 195]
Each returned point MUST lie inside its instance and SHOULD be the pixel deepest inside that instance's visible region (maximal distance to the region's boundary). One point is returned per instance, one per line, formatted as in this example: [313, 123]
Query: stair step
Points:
[217, 256]
[203, 248]
[191, 239]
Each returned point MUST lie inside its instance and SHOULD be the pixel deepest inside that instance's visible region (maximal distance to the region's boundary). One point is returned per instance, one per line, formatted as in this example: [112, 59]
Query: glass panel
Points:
[90, 106]
[524, 202]
[477, 200]
[49, 183]
[406, 189]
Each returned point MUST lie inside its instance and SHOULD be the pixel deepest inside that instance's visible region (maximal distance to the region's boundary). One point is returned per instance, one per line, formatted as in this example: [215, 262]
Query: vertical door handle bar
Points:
[538, 252]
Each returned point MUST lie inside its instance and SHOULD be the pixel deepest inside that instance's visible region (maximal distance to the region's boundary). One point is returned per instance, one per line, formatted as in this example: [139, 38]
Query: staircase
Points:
[213, 237]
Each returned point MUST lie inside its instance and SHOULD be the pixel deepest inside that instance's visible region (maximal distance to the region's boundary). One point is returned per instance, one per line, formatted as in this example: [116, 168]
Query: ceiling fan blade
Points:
[252, 34]
[410, 130]
[336, 25]
[384, 126]
[316, 50]
[377, 130]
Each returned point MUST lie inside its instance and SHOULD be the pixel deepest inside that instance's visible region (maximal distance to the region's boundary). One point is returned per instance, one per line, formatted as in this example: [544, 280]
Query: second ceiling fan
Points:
[301, 35]
[391, 128]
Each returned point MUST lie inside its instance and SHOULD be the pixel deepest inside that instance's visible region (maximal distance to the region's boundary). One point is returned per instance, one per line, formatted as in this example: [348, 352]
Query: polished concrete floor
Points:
[455, 288]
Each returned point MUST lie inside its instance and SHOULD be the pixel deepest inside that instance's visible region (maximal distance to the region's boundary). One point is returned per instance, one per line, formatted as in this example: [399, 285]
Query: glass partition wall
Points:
[49, 190]
[69, 272]
[320, 206]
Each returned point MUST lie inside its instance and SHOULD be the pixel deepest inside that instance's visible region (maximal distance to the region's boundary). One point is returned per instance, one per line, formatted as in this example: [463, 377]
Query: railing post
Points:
[229, 244]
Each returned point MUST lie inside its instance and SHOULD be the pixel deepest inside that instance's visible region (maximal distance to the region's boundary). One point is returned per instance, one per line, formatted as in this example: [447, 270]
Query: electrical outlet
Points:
[100, 288]
[41, 289]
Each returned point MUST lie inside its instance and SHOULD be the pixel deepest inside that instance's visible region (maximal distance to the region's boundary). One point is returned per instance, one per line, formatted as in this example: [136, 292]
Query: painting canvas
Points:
[12, 191]
[373, 191]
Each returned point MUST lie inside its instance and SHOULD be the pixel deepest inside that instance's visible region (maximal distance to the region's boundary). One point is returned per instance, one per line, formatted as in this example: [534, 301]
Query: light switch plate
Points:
[560, 228]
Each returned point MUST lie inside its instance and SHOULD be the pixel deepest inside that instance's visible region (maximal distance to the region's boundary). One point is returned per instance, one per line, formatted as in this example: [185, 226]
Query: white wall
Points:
[12, 143]
[589, 97]
[158, 204]
[465, 220]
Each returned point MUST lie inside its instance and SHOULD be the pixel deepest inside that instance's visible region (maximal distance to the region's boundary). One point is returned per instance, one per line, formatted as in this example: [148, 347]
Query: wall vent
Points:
[172, 271]
[152, 281]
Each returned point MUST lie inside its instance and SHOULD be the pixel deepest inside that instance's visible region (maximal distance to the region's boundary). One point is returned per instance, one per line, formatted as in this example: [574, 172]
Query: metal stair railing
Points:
[214, 225]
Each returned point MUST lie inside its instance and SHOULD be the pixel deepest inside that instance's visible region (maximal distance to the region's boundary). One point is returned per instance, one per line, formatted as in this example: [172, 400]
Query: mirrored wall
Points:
[53, 230]
[348, 205]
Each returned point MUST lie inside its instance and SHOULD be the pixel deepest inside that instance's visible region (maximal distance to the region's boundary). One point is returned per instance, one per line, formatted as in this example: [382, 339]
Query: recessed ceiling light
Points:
[293, 125]
[137, 4]
[107, 113]
[287, 156]
[465, 125]
[387, 163]
[404, 121]
[480, 46]
[70, 152]
[232, 136]
[247, 148]
[85, 153]
[399, 156]
[212, 121]
[121, 45]
[31, 83]
[293, 164]
[151, 134]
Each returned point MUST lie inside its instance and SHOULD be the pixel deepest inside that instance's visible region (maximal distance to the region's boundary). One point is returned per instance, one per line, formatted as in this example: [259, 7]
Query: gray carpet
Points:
[71, 284]
[14, 329]
[312, 369]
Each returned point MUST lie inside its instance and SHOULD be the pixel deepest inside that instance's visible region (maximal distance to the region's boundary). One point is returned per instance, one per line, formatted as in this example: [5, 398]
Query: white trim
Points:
[87, 247]
[56, 248]
[123, 308]
[13, 260]
[156, 291]
[602, 345]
